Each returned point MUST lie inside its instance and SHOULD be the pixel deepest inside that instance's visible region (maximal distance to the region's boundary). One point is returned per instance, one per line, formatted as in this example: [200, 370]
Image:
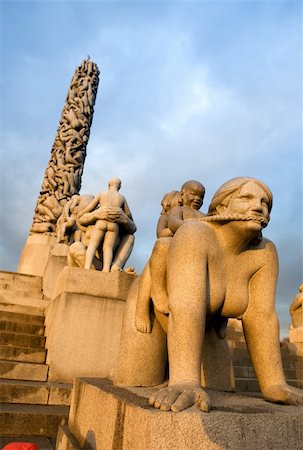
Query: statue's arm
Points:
[124, 217]
[162, 227]
[260, 320]
[90, 207]
[175, 218]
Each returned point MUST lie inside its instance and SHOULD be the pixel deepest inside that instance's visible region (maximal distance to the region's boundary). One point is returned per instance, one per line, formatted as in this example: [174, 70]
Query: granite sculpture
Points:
[62, 178]
[296, 326]
[177, 208]
[296, 307]
[217, 267]
[104, 231]
[99, 230]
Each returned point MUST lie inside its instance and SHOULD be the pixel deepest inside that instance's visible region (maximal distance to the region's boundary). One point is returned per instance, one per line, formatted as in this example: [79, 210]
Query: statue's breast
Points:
[237, 274]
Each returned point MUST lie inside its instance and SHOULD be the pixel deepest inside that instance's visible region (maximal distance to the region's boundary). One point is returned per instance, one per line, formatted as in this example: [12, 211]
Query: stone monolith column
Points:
[63, 174]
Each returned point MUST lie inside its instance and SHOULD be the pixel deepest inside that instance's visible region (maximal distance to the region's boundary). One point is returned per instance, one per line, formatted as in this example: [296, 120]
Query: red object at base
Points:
[21, 446]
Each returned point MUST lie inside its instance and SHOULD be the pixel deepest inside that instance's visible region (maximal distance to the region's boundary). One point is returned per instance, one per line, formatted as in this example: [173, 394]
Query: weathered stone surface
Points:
[107, 417]
[29, 280]
[22, 318]
[29, 420]
[13, 353]
[15, 303]
[113, 285]
[23, 371]
[35, 392]
[56, 262]
[22, 340]
[21, 327]
[83, 335]
[66, 440]
[35, 254]
[12, 391]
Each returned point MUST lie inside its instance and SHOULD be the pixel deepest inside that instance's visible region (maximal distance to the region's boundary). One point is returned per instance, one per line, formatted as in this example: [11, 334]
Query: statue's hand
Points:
[116, 215]
[285, 394]
[178, 397]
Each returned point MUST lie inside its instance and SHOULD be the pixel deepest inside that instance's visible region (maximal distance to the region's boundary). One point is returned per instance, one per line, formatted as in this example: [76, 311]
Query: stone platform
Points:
[104, 416]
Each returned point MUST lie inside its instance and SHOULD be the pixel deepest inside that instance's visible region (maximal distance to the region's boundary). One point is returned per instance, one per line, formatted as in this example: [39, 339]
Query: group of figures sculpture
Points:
[99, 230]
[203, 269]
[63, 174]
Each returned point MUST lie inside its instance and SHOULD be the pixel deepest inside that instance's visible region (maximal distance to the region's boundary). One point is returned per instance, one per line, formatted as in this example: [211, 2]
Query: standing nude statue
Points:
[104, 230]
[219, 266]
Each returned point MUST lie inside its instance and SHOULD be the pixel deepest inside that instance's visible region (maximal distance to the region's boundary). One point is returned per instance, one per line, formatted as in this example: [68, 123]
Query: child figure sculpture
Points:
[188, 204]
[104, 230]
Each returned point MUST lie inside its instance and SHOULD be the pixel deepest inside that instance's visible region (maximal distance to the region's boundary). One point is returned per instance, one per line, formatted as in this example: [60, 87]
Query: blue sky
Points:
[188, 90]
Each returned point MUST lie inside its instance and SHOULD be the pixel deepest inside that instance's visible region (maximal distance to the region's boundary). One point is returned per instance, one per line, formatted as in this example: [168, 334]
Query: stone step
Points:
[21, 293]
[21, 327]
[21, 309]
[241, 357]
[22, 340]
[248, 372]
[251, 384]
[43, 443]
[24, 318]
[247, 385]
[296, 383]
[30, 302]
[19, 286]
[32, 280]
[32, 420]
[22, 354]
[35, 392]
[14, 370]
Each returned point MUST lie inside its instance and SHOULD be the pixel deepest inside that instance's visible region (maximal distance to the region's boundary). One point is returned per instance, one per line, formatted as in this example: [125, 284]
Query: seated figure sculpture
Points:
[105, 230]
[218, 266]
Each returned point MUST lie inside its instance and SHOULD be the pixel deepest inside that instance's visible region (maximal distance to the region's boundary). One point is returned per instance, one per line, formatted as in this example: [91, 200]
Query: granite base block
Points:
[104, 416]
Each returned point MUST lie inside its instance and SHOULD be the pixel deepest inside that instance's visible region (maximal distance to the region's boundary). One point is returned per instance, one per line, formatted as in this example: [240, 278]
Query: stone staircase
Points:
[245, 377]
[30, 405]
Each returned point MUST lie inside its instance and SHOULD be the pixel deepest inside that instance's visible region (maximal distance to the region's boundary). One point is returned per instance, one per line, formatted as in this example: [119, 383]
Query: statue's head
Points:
[243, 196]
[192, 194]
[170, 200]
[114, 182]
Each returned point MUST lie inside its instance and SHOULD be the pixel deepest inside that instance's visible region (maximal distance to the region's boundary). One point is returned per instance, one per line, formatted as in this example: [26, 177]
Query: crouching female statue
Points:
[218, 267]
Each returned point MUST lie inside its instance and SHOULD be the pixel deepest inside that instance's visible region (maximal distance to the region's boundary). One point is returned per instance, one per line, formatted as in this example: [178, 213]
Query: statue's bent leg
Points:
[142, 356]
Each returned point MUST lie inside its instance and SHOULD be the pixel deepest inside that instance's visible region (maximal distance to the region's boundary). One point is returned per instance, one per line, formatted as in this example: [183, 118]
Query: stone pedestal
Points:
[57, 260]
[296, 339]
[35, 253]
[83, 323]
[296, 331]
[107, 417]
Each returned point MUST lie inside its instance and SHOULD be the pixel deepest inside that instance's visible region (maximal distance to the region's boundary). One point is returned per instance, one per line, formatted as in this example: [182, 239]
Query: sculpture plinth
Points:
[105, 417]
[83, 323]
